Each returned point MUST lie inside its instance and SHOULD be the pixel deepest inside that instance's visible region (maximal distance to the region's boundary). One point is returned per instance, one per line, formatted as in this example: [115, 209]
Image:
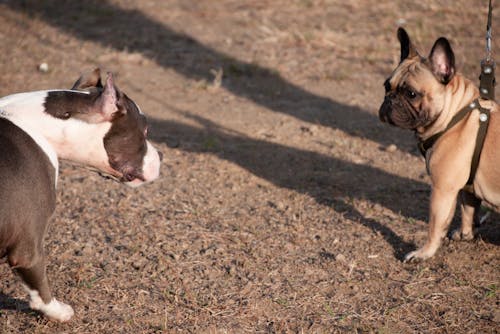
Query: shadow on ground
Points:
[329, 180]
[9, 303]
[122, 29]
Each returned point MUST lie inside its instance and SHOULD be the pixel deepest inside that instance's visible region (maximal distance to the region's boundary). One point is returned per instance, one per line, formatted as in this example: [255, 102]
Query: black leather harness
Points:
[484, 119]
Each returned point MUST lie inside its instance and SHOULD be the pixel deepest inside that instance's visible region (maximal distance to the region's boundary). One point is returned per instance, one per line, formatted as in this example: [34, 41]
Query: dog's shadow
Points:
[327, 179]
[14, 304]
[192, 59]
[488, 231]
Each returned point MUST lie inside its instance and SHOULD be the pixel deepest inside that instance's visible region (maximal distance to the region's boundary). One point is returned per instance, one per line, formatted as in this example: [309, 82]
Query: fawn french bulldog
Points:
[458, 133]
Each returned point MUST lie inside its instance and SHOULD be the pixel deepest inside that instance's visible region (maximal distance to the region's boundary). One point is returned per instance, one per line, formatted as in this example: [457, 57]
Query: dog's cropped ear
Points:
[88, 80]
[108, 101]
[442, 60]
[407, 48]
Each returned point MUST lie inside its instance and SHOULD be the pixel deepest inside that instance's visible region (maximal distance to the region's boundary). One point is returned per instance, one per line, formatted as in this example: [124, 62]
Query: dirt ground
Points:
[284, 205]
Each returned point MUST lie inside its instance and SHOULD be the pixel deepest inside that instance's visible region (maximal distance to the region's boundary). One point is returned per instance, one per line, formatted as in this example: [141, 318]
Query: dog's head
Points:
[130, 156]
[415, 92]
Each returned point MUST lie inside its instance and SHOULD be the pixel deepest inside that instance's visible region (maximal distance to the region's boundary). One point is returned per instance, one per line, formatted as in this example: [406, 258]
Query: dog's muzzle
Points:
[385, 111]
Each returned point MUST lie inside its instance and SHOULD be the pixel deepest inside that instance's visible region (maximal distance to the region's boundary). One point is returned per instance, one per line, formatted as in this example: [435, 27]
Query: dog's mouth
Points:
[403, 120]
[128, 179]
[385, 111]
[131, 182]
[402, 114]
[385, 117]
[108, 176]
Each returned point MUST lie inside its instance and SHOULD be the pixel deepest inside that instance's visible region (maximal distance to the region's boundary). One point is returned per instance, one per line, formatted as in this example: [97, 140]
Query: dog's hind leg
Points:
[469, 207]
[31, 269]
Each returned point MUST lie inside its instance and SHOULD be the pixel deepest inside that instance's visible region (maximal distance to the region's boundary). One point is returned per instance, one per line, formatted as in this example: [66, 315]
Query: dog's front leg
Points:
[442, 208]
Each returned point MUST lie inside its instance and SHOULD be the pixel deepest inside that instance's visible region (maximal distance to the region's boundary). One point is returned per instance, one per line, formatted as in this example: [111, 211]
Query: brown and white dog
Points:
[428, 96]
[91, 124]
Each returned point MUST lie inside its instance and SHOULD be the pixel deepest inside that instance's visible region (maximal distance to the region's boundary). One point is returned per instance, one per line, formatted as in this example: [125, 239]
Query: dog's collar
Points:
[484, 118]
[425, 145]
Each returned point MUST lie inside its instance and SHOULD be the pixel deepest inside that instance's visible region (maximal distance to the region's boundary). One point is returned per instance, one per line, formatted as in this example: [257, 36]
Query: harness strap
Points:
[425, 145]
[484, 119]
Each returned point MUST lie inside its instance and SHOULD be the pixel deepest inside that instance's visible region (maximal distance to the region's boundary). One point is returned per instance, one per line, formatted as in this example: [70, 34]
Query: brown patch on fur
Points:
[125, 143]
[69, 104]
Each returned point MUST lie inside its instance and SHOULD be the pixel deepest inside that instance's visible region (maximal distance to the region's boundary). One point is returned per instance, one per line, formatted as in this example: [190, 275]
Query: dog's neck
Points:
[69, 139]
[459, 86]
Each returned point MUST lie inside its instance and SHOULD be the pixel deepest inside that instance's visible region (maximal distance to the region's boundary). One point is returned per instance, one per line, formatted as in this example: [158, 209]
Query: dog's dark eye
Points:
[411, 94]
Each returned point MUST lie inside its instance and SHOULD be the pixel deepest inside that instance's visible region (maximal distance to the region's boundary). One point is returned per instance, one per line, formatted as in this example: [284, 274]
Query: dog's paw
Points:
[419, 254]
[457, 235]
[54, 310]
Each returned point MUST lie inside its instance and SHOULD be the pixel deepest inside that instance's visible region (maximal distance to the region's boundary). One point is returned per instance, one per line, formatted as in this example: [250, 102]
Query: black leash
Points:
[487, 77]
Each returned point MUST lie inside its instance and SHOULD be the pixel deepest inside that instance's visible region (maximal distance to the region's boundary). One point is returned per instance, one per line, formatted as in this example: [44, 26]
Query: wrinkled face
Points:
[412, 96]
[415, 92]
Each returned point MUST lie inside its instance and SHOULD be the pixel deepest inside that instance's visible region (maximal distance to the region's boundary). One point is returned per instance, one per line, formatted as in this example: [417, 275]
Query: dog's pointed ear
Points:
[442, 60]
[407, 48]
[88, 80]
[109, 99]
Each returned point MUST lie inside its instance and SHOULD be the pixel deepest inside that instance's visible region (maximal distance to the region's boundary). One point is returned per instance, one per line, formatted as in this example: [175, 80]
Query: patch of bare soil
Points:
[284, 204]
